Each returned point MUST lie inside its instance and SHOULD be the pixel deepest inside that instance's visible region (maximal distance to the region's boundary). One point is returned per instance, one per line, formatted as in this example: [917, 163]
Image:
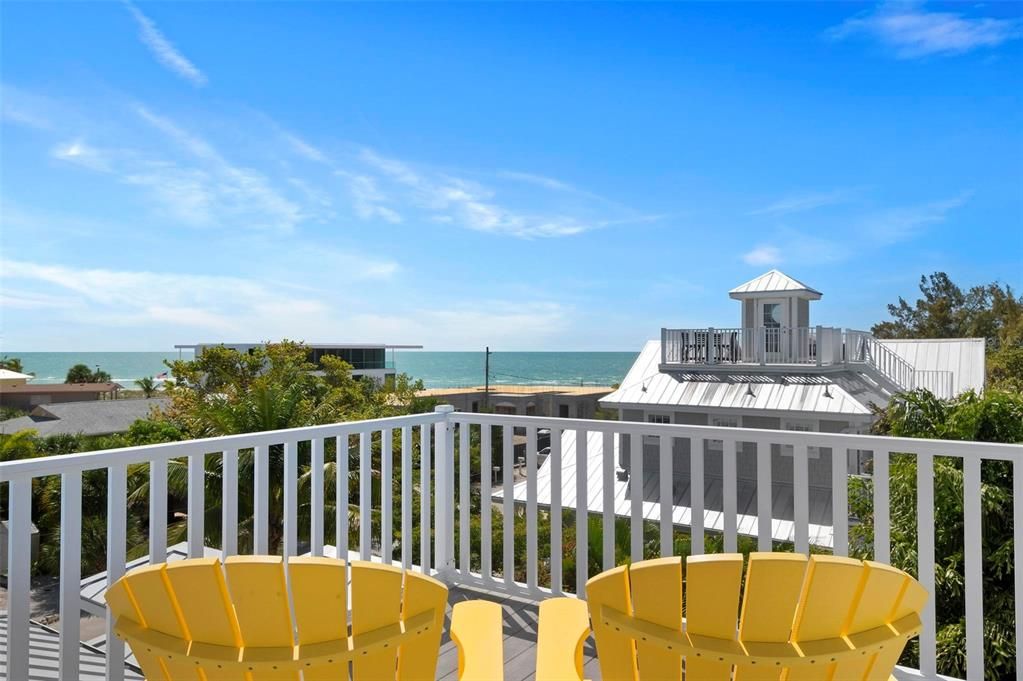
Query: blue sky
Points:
[528, 176]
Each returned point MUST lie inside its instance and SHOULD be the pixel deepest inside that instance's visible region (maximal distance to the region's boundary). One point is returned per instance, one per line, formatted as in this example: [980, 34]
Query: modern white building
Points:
[371, 360]
[774, 370]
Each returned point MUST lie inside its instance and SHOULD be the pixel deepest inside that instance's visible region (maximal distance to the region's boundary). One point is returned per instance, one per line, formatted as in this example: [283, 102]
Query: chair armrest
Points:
[477, 630]
[564, 628]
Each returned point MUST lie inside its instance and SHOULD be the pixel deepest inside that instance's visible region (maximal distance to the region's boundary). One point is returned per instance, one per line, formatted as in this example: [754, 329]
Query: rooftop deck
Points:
[425, 460]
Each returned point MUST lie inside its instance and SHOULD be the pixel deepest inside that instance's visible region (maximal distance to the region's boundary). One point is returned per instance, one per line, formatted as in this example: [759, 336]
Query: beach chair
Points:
[236, 621]
[820, 617]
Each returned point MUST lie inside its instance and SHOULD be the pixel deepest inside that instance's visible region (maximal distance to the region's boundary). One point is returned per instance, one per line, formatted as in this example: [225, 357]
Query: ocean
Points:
[436, 369]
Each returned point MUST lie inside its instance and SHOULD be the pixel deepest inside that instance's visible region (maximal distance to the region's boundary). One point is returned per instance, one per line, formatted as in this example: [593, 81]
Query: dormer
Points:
[774, 300]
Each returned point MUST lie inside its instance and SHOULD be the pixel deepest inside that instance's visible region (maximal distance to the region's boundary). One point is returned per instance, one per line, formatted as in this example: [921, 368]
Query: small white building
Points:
[774, 370]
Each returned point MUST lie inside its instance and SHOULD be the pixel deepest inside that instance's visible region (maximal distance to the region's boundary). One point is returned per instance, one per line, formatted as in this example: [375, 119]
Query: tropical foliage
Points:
[81, 373]
[147, 384]
[944, 310]
[997, 416]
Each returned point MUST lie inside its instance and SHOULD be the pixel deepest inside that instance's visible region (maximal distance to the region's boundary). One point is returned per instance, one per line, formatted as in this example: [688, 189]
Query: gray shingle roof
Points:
[94, 417]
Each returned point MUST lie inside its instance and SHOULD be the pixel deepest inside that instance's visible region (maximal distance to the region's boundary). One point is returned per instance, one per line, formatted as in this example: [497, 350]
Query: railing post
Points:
[19, 567]
[444, 505]
[709, 347]
[664, 346]
[817, 343]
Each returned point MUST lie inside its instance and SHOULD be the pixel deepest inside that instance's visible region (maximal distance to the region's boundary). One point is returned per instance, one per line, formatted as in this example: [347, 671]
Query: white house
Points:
[775, 370]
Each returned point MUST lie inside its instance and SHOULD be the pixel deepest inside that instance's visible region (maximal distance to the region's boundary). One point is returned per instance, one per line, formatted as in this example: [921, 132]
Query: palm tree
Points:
[147, 385]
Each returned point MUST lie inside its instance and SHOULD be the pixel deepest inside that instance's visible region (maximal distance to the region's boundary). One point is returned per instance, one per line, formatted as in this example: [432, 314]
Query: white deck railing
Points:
[451, 479]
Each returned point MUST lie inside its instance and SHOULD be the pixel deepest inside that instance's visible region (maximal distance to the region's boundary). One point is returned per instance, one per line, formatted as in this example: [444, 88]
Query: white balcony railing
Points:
[430, 460]
[821, 346]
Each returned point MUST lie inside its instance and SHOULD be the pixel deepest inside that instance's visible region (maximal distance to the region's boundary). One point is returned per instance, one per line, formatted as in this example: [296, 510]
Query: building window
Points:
[721, 422]
[804, 426]
[655, 418]
[563, 411]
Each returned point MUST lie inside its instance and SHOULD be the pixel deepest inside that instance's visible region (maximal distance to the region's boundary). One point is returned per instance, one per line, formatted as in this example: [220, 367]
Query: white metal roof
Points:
[847, 393]
[774, 281]
[821, 532]
[964, 357]
[7, 374]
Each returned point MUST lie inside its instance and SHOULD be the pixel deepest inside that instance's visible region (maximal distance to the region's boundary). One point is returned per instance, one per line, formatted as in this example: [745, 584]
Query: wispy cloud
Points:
[452, 199]
[303, 148]
[798, 203]
[164, 50]
[80, 153]
[899, 224]
[912, 31]
[870, 231]
[763, 255]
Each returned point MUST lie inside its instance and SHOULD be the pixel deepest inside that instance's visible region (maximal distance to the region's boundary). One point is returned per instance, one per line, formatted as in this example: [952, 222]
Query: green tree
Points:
[147, 385]
[944, 310]
[79, 373]
[11, 364]
[997, 416]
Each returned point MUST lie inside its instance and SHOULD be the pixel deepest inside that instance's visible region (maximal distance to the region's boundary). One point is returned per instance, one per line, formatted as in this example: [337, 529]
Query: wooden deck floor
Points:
[520, 623]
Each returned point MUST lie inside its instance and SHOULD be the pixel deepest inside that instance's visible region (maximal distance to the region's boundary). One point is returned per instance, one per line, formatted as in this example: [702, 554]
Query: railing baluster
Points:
[196, 505]
[426, 468]
[607, 523]
[19, 576]
[386, 494]
[464, 502]
[974, 555]
[316, 498]
[667, 496]
[581, 514]
[444, 436]
[882, 537]
[290, 499]
[729, 480]
[556, 548]
[341, 498]
[840, 501]
[696, 492]
[406, 497]
[365, 495]
[765, 497]
[801, 498]
[636, 484]
[486, 496]
[507, 509]
[925, 556]
[229, 503]
[117, 495]
[261, 500]
[1017, 549]
[531, 534]
[157, 511]
[70, 573]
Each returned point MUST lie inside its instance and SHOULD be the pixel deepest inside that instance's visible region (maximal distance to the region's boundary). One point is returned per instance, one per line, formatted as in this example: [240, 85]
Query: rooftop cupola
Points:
[775, 300]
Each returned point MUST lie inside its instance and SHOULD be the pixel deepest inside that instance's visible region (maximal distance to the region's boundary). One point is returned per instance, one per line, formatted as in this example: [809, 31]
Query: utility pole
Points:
[486, 379]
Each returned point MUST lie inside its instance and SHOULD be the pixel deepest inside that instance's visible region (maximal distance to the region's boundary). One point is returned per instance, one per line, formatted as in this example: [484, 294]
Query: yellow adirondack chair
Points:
[821, 618]
[202, 620]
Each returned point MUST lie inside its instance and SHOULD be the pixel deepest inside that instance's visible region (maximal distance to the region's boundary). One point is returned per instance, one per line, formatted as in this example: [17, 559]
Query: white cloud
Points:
[164, 50]
[80, 153]
[900, 224]
[303, 148]
[367, 199]
[913, 32]
[144, 304]
[763, 255]
[456, 200]
[541, 180]
[798, 203]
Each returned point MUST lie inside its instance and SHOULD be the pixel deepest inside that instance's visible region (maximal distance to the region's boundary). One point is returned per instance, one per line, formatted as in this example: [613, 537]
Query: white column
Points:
[444, 500]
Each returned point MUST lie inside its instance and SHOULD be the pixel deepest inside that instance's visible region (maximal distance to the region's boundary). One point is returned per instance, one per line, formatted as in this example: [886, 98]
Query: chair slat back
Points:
[712, 604]
[801, 618]
[252, 617]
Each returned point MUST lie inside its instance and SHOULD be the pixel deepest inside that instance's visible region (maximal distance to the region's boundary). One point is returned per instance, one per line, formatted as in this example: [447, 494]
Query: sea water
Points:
[436, 369]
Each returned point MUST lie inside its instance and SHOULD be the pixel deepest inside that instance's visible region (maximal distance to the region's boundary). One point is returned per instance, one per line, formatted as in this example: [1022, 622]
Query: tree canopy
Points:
[81, 373]
[944, 310]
